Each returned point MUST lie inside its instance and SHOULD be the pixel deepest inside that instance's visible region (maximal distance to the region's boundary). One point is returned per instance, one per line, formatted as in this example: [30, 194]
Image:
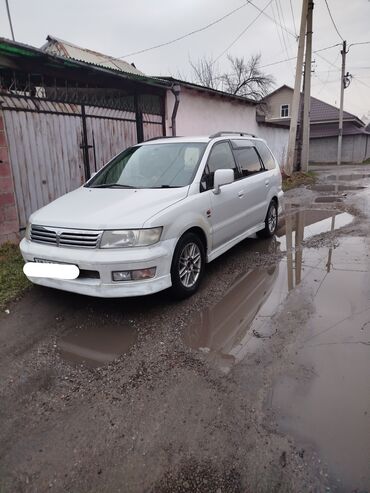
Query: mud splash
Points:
[96, 346]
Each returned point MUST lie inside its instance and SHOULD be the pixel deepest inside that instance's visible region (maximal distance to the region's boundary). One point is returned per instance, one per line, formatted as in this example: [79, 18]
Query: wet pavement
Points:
[258, 383]
[96, 346]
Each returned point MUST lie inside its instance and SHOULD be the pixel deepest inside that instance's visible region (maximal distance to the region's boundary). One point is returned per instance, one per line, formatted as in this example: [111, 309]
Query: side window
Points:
[266, 156]
[220, 157]
[248, 161]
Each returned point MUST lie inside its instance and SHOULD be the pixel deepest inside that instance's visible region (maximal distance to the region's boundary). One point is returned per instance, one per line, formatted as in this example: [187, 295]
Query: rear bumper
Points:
[105, 262]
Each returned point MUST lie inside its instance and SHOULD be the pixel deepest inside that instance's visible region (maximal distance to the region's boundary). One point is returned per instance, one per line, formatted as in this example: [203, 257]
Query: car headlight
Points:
[130, 238]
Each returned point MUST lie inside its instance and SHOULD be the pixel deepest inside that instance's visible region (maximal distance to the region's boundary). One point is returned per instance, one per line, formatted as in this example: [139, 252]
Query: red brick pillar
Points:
[9, 223]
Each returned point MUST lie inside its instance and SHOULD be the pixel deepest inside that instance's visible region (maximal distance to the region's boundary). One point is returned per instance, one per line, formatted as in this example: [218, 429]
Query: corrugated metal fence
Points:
[47, 141]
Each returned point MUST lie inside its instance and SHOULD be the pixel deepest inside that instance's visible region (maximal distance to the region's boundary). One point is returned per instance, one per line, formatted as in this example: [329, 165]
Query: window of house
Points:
[284, 110]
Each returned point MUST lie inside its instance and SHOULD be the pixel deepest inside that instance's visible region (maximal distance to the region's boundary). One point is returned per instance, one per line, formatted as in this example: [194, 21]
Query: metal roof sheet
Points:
[63, 48]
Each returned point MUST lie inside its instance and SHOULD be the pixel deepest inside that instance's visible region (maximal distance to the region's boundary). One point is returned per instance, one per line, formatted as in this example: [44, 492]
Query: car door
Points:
[253, 183]
[225, 206]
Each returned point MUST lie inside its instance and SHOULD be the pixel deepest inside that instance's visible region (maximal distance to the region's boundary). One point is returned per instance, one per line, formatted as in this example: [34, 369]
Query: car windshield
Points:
[168, 165]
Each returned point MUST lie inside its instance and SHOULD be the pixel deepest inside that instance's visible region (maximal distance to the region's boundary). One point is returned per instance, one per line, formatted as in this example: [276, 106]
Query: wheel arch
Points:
[200, 233]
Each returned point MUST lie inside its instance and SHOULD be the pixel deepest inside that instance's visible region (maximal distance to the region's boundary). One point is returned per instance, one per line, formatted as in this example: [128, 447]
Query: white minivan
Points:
[153, 216]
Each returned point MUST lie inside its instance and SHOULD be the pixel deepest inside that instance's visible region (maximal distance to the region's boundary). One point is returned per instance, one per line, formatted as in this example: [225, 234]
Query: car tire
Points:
[271, 221]
[188, 265]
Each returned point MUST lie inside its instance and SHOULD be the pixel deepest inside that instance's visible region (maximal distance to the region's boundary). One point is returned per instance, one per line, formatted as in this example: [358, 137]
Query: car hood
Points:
[94, 208]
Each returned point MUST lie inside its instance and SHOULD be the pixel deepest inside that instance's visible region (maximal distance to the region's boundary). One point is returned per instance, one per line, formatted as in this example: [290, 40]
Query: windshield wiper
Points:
[111, 185]
[165, 186]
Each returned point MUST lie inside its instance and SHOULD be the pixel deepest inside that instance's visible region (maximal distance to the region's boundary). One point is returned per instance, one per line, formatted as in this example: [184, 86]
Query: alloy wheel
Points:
[189, 266]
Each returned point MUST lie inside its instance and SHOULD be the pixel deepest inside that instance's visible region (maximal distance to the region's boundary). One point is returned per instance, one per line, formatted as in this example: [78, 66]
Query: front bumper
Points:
[105, 261]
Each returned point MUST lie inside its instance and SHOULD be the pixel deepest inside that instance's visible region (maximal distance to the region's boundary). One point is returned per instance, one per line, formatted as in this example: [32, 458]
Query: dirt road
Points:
[259, 383]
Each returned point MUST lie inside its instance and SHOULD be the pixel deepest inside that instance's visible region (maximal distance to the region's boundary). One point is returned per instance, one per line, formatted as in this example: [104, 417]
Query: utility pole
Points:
[307, 92]
[342, 87]
[297, 91]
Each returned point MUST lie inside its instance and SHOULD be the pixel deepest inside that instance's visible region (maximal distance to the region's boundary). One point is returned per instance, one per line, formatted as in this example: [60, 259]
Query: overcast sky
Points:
[118, 27]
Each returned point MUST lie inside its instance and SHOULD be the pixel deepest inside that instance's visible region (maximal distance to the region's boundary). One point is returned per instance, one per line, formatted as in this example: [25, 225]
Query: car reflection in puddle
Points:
[96, 346]
[231, 328]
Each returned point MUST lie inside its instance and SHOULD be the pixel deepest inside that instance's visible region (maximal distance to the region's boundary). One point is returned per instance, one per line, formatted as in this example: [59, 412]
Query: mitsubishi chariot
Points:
[155, 215]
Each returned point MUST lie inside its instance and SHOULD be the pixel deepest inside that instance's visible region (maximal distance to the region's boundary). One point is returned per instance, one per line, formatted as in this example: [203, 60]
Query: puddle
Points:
[228, 330]
[328, 407]
[336, 188]
[332, 408]
[324, 200]
[304, 224]
[97, 346]
[349, 177]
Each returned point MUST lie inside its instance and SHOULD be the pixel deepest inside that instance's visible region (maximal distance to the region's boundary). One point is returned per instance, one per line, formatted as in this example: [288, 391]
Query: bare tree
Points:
[244, 78]
[205, 73]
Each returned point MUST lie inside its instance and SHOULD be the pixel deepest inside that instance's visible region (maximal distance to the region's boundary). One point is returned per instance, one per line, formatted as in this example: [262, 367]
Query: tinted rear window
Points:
[266, 156]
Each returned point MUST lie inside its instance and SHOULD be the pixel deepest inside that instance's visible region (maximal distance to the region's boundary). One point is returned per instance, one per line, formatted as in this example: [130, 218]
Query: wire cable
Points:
[294, 57]
[332, 20]
[241, 34]
[188, 34]
[356, 44]
[273, 20]
[294, 24]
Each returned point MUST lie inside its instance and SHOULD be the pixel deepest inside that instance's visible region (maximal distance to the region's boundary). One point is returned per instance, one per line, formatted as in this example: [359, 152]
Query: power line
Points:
[334, 24]
[277, 27]
[356, 44]
[360, 81]
[327, 61]
[241, 34]
[292, 12]
[282, 22]
[294, 57]
[273, 20]
[10, 19]
[187, 34]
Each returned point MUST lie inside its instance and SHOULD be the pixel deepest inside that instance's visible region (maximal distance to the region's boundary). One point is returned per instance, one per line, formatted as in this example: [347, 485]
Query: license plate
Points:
[44, 261]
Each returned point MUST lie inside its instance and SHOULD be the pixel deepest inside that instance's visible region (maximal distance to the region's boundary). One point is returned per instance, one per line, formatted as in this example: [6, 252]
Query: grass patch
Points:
[367, 161]
[297, 179]
[12, 280]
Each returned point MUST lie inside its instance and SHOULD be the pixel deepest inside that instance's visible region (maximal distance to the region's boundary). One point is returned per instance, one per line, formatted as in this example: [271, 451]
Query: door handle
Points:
[267, 182]
[241, 193]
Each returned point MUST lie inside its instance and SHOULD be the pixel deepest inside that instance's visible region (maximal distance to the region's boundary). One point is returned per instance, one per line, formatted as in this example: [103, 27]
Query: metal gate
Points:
[54, 147]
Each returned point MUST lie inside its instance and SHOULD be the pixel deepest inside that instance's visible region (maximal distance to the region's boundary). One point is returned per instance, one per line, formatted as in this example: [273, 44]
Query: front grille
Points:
[62, 237]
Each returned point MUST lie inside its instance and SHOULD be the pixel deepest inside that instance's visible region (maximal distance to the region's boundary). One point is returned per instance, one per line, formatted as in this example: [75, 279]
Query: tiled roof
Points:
[321, 111]
[319, 130]
[66, 49]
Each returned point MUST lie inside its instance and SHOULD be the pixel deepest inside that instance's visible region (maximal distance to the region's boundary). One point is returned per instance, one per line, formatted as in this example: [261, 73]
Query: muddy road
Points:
[258, 383]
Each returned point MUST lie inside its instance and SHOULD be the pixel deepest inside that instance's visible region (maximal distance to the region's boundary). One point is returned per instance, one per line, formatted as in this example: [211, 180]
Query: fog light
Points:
[134, 275]
[121, 275]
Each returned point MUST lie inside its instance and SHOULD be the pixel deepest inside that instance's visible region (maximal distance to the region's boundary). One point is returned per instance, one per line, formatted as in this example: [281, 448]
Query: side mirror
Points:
[222, 177]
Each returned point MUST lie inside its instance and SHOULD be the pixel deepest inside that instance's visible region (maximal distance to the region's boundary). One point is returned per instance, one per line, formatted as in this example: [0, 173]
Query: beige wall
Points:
[274, 102]
[202, 114]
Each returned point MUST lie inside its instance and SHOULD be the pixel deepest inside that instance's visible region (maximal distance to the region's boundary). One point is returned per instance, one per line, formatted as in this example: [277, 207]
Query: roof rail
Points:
[220, 134]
